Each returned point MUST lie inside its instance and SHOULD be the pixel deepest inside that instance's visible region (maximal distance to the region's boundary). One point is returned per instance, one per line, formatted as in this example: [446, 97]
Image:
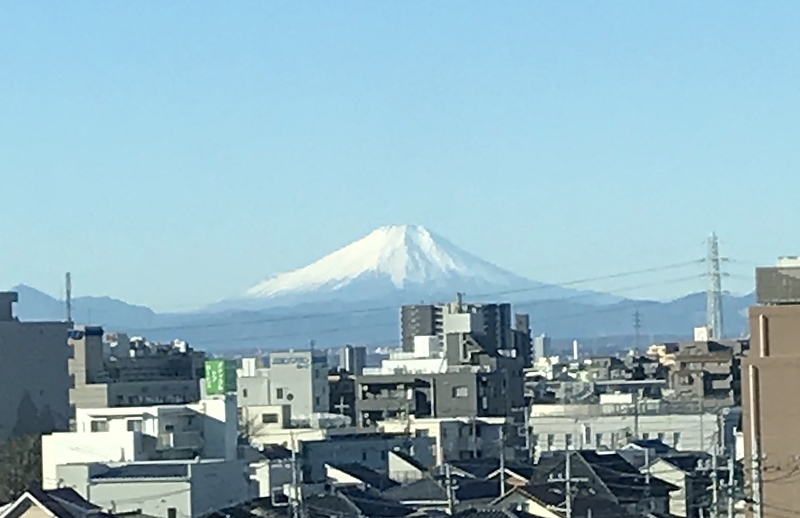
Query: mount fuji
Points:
[399, 264]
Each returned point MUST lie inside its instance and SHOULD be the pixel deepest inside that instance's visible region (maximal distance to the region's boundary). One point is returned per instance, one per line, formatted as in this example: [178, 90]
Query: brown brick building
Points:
[771, 394]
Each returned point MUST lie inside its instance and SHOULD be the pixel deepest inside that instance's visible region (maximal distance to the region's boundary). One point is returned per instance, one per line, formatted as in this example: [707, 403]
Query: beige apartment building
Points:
[33, 369]
[771, 383]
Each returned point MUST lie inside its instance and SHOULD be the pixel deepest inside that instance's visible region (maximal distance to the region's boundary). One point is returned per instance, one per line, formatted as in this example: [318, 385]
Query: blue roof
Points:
[144, 471]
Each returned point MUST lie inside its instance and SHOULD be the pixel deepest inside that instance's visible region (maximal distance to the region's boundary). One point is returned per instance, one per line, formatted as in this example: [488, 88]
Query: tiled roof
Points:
[422, 490]
[145, 470]
[409, 459]
[275, 452]
[70, 496]
[492, 513]
[368, 476]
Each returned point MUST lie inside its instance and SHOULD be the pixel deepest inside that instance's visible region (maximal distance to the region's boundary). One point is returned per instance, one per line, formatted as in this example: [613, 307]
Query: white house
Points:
[206, 429]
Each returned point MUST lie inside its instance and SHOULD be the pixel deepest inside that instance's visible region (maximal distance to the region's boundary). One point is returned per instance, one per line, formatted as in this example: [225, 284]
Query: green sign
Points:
[220, 376]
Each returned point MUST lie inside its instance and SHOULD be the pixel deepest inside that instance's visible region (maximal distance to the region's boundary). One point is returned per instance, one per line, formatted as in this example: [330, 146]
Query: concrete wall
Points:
[695, 432]
[35, 377]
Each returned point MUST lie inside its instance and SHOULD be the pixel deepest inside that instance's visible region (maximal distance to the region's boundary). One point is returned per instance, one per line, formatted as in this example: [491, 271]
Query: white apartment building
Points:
[298, 379]
[456, 438]
[165, 489]
[206, 429]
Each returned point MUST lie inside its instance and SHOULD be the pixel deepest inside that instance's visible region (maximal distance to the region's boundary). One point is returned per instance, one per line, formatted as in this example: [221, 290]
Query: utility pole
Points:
[568, 479]
[731, 485]
[568, 492]
[502, 461]
[68, 298]
[637, 330]
[448, 480]
[714, 290]
[715, 481]
[294, 497]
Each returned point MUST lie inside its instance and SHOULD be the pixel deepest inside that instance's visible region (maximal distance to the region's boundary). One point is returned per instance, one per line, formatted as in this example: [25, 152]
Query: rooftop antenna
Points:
[68, 302]
[714, 291]
[460, 301]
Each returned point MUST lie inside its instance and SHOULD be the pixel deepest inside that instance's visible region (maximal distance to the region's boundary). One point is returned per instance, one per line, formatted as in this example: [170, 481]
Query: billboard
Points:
[220, 376]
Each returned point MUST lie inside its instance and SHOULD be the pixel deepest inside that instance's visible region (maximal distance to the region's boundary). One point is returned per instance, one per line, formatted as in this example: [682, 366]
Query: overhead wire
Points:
[620, 306]
[355, 311]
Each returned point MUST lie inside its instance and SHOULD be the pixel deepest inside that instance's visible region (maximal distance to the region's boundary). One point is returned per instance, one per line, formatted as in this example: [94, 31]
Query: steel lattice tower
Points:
[714, 291]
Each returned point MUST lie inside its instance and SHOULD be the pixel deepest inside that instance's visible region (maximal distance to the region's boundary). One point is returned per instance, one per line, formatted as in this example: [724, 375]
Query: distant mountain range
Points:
[353, 296]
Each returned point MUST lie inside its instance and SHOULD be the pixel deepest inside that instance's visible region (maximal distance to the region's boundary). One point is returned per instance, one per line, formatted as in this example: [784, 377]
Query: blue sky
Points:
[175, 153]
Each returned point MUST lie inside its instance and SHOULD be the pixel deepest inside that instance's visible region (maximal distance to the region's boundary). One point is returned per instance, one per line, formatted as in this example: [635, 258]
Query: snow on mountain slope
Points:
[405, 255]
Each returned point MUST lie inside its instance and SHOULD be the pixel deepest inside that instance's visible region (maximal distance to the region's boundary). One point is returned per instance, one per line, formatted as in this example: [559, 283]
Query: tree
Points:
[20, 465]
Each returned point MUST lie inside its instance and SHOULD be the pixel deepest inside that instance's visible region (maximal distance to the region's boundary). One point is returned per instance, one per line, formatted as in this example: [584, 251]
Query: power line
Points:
[307, 316]
[621, 306]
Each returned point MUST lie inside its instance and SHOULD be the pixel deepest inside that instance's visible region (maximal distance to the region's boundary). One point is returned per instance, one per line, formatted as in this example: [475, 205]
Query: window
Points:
[279, 393]
[135, 425]
[99, 426]
[316, 401]
[676, 439]
[661, 436]
[598, 440]
[169, 428]
[551, 439]
[363, 455]
[460, 391]
[421, 433]
[587, 435]
[646, 436]
[568, 440]
[172, 512]
[244, 393]
[534, 439]
[269, 418]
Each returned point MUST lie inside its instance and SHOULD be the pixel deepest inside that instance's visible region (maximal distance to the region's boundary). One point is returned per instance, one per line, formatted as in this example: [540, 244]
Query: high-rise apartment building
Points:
[771, 378]
[34, 372]
[541, 347]
[352, 359]
[494, 329]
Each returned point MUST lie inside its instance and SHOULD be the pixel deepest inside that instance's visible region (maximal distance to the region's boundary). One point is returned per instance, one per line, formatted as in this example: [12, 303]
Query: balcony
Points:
[180, 441]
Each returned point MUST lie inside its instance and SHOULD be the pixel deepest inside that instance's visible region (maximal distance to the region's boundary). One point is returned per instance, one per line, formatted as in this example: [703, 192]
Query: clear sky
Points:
[175, 153]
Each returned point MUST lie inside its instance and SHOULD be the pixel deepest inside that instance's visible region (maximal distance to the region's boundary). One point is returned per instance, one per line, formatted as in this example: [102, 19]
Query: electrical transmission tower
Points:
[637, 330]
[714, 291]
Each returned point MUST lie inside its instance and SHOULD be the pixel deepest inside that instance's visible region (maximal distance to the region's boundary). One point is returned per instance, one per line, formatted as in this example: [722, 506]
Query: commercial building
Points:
[618, 419]
[771, 379]
[34, 371]
[298, 379]
[115, 371]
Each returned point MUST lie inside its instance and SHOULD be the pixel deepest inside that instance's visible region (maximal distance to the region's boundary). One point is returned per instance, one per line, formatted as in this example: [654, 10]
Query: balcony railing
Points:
[192, 440]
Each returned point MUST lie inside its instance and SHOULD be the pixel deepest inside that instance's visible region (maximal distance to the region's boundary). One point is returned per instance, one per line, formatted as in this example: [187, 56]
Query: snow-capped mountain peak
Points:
[404, 255]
